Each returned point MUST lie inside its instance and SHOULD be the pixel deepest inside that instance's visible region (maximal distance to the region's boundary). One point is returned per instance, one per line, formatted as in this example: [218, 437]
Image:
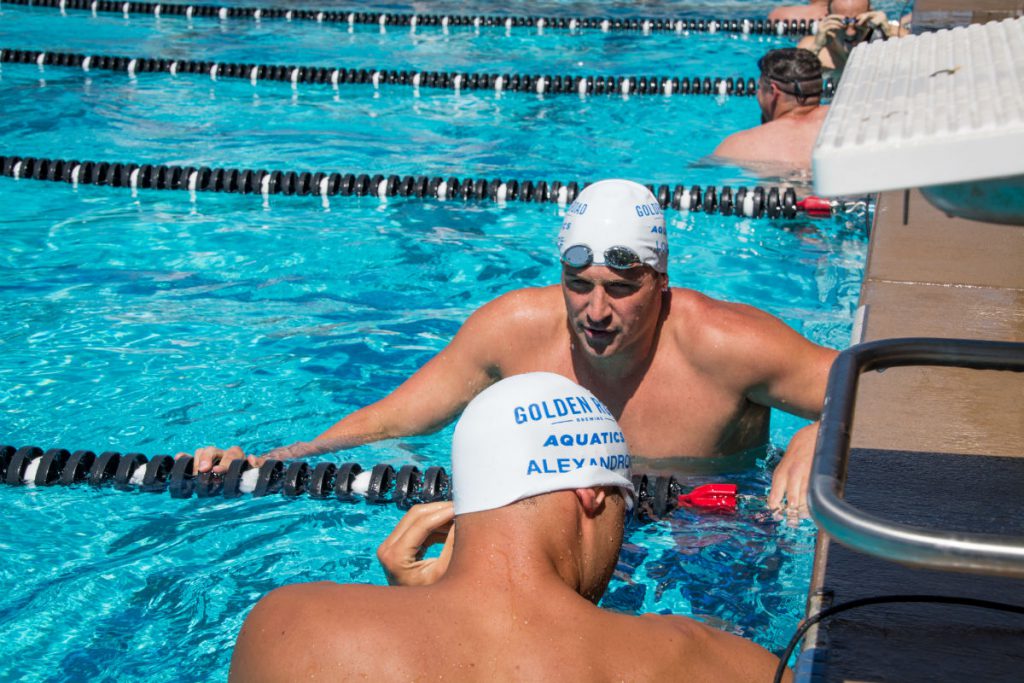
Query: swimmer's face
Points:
[848, 11]
[852, 33]
[610, 310]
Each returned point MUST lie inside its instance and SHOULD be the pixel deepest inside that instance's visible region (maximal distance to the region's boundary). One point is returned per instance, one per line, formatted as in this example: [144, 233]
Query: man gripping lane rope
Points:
[538, 534]
[690, 379]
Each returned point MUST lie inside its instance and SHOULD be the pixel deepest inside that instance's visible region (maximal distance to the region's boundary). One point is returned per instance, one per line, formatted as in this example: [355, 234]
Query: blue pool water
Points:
[154, 324]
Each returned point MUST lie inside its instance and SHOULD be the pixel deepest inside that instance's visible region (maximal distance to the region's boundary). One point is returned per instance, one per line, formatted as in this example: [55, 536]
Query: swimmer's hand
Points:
[789, 483]
[401, 553]
[875, 19]
[827, 30]
[217, 460]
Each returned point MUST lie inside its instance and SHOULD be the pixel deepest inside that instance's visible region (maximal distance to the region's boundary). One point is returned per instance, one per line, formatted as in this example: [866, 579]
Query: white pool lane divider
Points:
[246, 484]
[541, 85]
[930, 109]
[644, 26]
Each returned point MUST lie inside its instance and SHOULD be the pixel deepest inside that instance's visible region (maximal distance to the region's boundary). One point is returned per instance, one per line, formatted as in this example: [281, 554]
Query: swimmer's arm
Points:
[424, 403]
[430, 399]
[788, 372]
[761, 357]
[766, 361]
[791, 371]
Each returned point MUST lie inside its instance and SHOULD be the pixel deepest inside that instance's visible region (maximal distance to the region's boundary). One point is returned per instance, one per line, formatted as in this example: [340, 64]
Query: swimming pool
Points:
[155, 324]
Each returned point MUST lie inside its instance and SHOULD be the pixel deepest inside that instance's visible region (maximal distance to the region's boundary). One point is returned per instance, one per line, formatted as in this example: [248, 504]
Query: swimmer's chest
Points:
[672, 410]
[681, 415]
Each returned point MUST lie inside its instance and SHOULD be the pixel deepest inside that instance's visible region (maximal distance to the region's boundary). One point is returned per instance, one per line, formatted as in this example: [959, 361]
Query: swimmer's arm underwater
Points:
[426, 402]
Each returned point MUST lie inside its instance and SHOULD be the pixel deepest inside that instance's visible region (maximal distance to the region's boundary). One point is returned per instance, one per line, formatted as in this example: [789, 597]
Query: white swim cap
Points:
[532, 434]
[614, 213]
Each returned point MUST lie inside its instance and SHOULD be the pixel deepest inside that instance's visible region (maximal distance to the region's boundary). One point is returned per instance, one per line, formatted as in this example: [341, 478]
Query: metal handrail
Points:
[911, 545]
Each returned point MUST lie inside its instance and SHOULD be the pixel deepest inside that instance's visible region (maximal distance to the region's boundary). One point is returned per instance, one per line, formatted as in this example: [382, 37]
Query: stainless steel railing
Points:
[873, 535]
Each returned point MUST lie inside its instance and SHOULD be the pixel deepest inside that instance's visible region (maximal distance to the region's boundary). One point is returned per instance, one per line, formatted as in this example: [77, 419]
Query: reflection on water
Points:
[746, 573]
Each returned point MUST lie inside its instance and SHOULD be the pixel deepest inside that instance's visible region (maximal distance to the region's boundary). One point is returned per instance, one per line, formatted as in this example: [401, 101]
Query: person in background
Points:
[691, 379]
[539, 508]
[789, 95]
[847, 24]
[812, 11]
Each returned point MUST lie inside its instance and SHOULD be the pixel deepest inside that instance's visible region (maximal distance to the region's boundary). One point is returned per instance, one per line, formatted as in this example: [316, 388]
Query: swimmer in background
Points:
[814, 10]
[682, 373]
[789, 94]
[515, 596]
[848, 24]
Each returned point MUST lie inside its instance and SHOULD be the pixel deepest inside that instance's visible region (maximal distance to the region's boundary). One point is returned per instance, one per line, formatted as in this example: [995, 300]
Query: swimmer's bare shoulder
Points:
[750, 350]
[520, 328]
[503, 328]
[716, 332]
[286, 620]
[321, 631]
[708, 328]
[738, 144]
[525, 308]
[683, 649]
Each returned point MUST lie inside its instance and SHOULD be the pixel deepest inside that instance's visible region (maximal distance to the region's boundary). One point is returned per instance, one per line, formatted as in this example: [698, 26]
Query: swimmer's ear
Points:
[592, 500]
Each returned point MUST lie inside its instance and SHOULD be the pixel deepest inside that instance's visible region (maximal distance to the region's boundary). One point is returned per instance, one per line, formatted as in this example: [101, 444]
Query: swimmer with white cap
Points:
[541, 486]
[691, 380]
[533, 434]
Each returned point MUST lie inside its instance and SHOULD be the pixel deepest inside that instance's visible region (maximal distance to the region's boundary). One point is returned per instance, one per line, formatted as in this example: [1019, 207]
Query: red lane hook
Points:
[714, 497]
[816, 207]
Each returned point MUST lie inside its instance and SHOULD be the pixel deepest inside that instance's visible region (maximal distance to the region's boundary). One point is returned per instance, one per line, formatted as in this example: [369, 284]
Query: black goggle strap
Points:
[802, 90]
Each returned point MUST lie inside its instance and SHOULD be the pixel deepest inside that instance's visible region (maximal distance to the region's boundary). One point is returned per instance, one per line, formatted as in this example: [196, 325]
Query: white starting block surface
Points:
[931, 109]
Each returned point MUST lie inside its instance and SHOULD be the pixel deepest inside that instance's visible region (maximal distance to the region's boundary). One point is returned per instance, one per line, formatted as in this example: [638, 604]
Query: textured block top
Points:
[930, 109]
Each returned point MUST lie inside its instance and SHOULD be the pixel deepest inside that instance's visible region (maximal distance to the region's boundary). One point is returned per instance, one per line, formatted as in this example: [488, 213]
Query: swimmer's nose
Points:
[598, 311]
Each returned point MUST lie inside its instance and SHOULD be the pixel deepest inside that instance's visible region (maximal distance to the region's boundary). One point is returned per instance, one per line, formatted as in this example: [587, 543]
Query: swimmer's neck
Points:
[516, 558]
[795, 111]
[626, 364]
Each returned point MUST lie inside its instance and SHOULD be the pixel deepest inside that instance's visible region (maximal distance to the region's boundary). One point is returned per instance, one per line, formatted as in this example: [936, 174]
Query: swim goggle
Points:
[861, 32]
[619, 258]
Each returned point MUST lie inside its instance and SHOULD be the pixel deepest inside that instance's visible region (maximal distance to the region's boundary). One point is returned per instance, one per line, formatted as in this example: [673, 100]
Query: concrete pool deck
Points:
[936, 447]
[941, 448]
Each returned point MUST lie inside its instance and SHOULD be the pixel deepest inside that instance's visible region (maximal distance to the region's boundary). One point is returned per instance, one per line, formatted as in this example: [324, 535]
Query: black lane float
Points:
[541, 84]
[347, 482]
[755, 202]
[413, 20]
